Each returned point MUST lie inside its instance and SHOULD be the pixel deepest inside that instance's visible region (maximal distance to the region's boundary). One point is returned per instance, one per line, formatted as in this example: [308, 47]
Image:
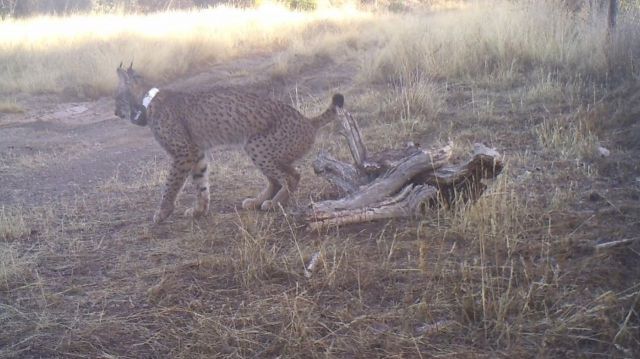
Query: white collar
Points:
[149, 96]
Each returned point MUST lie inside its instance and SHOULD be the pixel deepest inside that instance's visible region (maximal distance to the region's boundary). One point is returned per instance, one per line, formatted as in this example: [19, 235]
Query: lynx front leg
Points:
[200, 176]
[175, 181]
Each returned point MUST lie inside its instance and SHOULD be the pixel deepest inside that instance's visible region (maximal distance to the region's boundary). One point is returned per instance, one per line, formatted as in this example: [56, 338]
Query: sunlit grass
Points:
[78, 54]
[10, 106]
[502, 42]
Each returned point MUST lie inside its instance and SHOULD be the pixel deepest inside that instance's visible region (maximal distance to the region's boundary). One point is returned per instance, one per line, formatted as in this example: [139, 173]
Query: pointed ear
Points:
[120, 71]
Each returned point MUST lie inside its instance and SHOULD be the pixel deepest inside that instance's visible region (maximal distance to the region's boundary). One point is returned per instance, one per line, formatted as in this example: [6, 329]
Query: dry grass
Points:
[78, 54]
[38, 158]
[10, 106]
[515, 274]
[568, 138]
[150, 175]
[517, 38]
[12, 224]
[15, 269]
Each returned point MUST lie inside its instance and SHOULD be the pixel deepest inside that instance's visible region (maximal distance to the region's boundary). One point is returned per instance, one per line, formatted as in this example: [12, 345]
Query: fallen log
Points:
[397, 183]
[409, 202]
[390, 182]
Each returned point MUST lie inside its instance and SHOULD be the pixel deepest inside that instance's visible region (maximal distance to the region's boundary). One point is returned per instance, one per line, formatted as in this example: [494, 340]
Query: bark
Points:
[397, 183]
[391, 182]
[410, 202]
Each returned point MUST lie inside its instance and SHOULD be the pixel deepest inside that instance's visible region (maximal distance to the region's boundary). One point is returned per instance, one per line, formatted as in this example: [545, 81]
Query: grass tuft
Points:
[12, 224]
[519, 37]
[568, 137]
[10, 106]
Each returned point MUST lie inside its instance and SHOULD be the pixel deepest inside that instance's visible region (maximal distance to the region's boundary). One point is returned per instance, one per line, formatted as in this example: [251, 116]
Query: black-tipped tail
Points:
[337, 101]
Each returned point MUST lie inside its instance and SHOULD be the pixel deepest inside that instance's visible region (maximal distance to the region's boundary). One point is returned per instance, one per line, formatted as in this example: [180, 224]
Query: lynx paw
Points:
[162, 214]
[194, 213]
[269, 205]
[250, 204]
[159, 217]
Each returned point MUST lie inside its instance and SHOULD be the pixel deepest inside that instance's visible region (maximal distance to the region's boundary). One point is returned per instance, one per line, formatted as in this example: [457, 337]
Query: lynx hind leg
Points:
[257, 149]
[293, 179]
[267, 193]
[200, 177]
[177, 176]
[289, 178]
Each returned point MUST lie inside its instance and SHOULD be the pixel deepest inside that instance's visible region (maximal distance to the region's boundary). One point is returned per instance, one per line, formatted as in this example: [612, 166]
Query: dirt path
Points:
[58, 150]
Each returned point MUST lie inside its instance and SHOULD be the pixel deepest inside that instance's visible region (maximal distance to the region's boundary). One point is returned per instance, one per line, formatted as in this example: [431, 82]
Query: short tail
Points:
[330, 114]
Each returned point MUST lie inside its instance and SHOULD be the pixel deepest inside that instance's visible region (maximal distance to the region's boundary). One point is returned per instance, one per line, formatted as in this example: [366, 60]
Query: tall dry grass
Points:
[545, 55]
[505, 40]
[78, 53]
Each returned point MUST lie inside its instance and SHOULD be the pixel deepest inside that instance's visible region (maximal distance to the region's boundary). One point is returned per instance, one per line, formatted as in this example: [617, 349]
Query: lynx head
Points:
[129, 96]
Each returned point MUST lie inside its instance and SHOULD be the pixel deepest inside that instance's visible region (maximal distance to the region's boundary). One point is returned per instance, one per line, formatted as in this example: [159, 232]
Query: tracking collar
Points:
[150, 95]
[145, 103]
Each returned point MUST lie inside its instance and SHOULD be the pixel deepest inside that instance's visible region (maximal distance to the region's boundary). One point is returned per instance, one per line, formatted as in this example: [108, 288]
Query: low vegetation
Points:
[518, 273]
[10, 106]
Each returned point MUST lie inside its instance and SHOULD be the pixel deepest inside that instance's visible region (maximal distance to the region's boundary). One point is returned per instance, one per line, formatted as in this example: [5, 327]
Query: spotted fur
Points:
[187, 124]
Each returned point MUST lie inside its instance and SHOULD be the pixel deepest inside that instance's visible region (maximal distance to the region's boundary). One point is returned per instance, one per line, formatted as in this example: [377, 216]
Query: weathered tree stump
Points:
[398, 182]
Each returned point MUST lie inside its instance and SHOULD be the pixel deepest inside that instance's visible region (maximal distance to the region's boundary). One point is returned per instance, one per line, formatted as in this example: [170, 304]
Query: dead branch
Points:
[397, 182]
[343, 175]
[351, 132]
[410, 202]
[391, 182]
[614, 244]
